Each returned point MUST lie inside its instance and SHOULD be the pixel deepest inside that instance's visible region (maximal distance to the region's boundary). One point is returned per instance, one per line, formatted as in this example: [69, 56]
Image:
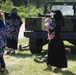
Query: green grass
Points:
[22, 63]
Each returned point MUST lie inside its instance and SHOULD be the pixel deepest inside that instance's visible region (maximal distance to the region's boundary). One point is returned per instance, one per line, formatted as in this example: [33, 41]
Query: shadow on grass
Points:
[40, 55]
[22, 55]
[72, 56]
[67, 73]
[44, 52]
[27, 54]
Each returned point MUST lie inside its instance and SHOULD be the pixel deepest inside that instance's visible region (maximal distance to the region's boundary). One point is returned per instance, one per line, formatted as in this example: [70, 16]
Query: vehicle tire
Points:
[35, 45]
[45, 41]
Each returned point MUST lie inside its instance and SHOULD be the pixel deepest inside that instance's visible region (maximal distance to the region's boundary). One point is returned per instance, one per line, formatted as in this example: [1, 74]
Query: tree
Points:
[57, 0]
[7, 6]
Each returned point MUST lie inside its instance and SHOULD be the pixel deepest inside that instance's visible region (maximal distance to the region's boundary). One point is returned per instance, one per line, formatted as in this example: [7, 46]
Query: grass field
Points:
[23, 64]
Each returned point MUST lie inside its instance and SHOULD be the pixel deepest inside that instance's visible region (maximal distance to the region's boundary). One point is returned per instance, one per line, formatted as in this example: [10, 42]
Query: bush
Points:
[23, 11]
[34, 11]
[7, 6]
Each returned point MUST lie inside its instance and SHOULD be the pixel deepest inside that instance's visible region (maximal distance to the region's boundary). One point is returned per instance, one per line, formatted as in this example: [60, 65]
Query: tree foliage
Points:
[7, 6]
[35, 6]
[37, 3]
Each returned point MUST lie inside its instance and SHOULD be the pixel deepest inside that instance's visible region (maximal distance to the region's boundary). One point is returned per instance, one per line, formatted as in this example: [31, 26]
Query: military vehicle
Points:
[35, 29]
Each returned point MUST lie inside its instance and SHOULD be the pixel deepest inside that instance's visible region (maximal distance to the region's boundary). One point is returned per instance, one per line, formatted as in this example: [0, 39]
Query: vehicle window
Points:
[65, 9]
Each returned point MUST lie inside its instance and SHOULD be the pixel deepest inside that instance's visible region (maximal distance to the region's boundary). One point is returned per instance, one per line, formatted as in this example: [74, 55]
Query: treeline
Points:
[35, 6]
[37, 3]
